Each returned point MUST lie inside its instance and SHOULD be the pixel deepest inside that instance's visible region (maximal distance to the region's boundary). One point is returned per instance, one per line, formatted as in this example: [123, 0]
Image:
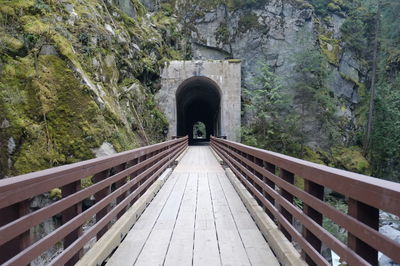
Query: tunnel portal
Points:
[198, 99]
[206, 91]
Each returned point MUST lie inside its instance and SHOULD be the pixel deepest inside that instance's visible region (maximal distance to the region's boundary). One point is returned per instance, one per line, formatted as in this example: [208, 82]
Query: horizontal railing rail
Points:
[269, 177]
[117, 182]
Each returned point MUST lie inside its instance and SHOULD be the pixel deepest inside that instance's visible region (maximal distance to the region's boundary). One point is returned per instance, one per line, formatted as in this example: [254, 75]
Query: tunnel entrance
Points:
[198, 100]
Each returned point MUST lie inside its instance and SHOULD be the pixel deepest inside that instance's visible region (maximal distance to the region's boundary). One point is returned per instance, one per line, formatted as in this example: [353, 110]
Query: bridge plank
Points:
[201, 222]
[256, 246]
[130, 248]
[206, 249]
[180, 251]
[155, 249]
[229, 240]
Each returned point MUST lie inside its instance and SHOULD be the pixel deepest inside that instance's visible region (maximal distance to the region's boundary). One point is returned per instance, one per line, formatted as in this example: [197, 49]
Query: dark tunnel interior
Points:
[198, 100]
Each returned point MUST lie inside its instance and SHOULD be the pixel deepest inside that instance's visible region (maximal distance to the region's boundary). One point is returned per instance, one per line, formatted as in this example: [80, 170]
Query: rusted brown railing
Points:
[118, 181]
[269, 177]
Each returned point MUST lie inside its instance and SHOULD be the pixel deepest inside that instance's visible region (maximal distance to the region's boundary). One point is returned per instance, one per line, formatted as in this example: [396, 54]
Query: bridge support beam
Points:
[318, 192]
[288, 177]
[69, 214]
[369, 216]
[98, 197]
[13, 247]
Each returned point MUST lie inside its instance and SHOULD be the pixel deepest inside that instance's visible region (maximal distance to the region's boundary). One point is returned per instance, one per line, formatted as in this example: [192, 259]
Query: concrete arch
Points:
[202, 84]
[198, 99]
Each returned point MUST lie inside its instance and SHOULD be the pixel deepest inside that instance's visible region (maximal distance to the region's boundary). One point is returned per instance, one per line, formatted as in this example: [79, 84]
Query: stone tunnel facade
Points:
[202, 91]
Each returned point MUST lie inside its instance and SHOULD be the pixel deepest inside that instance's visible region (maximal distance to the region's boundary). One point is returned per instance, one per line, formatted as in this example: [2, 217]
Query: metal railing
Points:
[269, 177]
[118, 181]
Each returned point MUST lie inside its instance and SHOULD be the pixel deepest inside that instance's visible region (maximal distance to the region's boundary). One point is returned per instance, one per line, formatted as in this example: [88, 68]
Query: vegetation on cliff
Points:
[74, 75]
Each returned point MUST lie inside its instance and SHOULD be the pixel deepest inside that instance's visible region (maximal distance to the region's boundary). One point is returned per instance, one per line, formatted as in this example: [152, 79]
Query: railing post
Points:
[132, 177]
[119, 184]
[260, 176]
[369, 216]
[288, 177]
[99, 196]
[270, 168]
[7, 215]
[70, 213]
[318, 192]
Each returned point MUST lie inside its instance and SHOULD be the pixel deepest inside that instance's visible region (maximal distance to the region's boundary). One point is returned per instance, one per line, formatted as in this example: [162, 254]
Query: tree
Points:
[316, 103]
[273, 123]
[373, 78]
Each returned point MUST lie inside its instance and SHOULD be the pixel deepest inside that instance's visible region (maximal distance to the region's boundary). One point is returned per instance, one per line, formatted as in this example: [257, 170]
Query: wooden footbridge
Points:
[170, 204]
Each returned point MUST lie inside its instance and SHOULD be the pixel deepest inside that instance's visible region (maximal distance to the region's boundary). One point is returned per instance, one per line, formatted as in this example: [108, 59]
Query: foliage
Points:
[357, 30]
[333, 228]
[324, 7]
[316, 103]
[90, 65]
[274, 123]
[384, 151]
[199, 130]
[247, 22]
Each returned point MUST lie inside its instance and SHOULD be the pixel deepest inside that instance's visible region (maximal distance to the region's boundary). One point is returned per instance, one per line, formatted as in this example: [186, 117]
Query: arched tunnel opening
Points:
[198, 100]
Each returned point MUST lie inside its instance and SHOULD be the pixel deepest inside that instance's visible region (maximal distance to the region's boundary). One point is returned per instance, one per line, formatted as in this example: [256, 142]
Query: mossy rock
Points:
[234, 61]
[351, 159]
[55, 194]
[331, 48]
[248, 22]
[302, 4]
[334, 7]
[10, 43]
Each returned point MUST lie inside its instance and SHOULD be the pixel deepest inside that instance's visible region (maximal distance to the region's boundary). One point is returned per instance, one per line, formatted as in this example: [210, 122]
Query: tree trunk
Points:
[373, 80]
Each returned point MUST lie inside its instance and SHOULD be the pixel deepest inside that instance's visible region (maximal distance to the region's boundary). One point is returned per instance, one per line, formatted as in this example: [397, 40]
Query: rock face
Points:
[273, 32]
[65, 75]
[105, 149]
[393, 234]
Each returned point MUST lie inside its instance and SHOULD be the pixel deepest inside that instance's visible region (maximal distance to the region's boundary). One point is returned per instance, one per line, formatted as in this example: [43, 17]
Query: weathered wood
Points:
[155, 249]
[180, 251]
[129, 250]
[288, 177]
[14, 246]
[201, 223]
[369, 216]
[229, 240]
[99, 196]
[257, 248]
[318, 192]
[206, 249]
[70, 213]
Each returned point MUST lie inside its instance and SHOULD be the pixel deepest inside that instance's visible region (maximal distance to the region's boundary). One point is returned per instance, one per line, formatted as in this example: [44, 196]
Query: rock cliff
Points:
[76, 75]
[275, 32]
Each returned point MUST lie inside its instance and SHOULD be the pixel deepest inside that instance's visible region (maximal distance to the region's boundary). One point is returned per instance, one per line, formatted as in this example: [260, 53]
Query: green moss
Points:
[33, 25]
[86, 182]
[222, 34]
[347, 158]
[167, 9]
[234, 61]
[313, 156]
[302, 4]
[351, 159]
[333, 7]
[55, 120]
[55, 194]
[10, 43]
[8, 5]
[331, 48]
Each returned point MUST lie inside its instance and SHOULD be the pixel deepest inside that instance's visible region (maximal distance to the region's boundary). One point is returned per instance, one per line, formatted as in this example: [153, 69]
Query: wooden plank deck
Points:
[197, 218]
